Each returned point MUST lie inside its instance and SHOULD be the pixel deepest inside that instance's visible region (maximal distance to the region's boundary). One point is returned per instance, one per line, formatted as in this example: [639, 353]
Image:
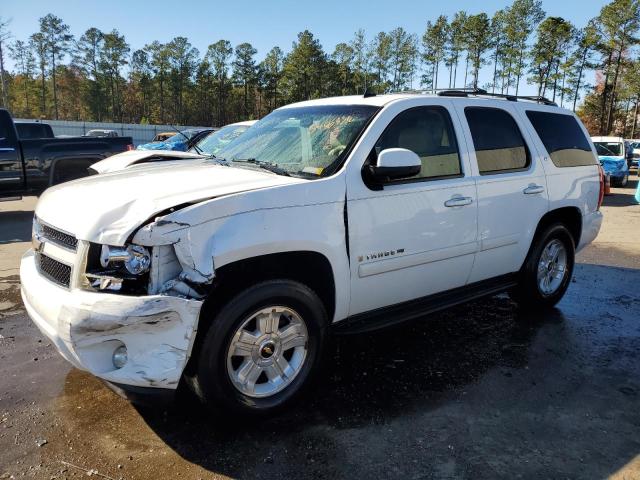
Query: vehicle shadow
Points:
[15, 226]
[367, 379]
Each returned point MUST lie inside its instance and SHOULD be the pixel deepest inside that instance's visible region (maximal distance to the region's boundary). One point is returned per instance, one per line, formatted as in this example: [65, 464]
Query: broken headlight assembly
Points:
[122, 269]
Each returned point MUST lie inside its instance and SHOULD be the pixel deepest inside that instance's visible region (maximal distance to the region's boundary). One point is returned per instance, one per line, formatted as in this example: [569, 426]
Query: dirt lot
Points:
[482, 391]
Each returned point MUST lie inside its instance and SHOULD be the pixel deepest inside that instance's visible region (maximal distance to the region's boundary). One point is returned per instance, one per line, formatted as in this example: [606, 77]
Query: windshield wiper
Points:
[271, 167]
[194, 146]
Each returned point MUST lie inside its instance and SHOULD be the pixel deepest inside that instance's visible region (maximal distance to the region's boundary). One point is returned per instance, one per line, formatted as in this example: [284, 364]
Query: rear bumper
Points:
[591, 224]
[86, 327]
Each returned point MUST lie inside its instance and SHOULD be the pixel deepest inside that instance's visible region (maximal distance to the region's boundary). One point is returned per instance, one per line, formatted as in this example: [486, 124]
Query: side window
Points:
[428, 132]
[563, 138]
[7, 132]
[497, 140]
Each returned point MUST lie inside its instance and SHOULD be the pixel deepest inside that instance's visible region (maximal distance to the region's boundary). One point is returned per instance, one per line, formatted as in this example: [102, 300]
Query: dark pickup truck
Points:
[29, 166]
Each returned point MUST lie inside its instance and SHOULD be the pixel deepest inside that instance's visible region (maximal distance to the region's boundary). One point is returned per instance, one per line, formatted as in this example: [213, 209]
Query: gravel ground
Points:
[481, 391]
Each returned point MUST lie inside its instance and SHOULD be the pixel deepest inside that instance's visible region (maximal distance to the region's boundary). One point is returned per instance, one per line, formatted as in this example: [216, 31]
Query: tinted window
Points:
[7, 133]
[497, 140]
[428, 132]
[563, 138]
[33, 130]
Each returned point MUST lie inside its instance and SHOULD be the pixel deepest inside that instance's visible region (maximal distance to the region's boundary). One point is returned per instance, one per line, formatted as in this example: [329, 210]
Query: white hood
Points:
[123, 160]
[108, 208]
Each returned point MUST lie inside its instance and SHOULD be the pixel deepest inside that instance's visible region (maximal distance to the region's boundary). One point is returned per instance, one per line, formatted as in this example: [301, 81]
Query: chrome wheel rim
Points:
[552, 267]
[267, 351]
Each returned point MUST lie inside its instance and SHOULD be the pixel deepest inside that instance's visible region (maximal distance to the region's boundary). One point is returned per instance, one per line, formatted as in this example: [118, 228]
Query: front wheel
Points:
[546, 274]
[262, 348]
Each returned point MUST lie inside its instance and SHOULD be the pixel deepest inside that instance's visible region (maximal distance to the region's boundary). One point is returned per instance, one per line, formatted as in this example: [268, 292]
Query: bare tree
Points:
[5, 35]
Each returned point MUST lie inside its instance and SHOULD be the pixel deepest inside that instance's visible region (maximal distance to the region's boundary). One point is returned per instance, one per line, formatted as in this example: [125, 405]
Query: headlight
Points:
[36, 234]
[136, 259]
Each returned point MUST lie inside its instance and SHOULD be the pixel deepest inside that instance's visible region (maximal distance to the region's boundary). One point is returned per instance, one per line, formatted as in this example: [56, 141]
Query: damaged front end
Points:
[127, 314]
[159, 260]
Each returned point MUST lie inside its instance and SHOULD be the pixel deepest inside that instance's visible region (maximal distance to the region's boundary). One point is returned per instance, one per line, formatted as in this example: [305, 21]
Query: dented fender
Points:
[224, 230]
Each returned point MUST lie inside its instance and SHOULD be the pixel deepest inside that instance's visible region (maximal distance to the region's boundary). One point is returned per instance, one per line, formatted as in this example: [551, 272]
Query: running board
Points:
[403, 312]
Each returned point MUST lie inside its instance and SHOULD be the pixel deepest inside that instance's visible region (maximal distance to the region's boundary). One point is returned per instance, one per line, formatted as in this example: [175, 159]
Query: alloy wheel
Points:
[267, 351]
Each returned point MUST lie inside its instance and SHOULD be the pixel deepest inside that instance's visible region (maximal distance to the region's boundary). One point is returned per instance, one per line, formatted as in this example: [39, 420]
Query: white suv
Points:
[352, 213]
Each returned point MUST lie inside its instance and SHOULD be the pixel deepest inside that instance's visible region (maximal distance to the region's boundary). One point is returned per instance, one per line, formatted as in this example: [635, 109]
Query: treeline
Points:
[97, 76]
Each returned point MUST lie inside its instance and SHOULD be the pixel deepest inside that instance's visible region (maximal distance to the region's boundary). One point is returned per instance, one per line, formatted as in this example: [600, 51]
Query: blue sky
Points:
[263, 24]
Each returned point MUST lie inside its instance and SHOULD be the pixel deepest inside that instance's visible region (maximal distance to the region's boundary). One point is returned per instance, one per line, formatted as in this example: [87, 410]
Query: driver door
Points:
[417, 236]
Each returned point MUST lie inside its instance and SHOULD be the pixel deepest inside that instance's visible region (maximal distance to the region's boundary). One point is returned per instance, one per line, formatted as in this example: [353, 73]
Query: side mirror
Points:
[393, 164]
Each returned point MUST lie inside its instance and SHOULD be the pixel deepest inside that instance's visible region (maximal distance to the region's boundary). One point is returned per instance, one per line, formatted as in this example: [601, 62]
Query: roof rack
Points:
[481, 92]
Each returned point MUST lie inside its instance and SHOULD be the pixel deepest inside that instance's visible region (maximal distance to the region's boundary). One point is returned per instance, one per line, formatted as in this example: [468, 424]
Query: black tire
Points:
[528, 292]
[212, 382]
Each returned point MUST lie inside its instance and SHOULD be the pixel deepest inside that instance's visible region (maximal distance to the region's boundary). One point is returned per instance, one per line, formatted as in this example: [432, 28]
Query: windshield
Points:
[180, 137]
[306, 141]
[609, 149]
[212, 143]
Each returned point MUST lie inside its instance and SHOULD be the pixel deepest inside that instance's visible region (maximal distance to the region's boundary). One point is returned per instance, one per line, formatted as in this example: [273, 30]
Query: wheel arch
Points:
[310, 268]
[570, 217]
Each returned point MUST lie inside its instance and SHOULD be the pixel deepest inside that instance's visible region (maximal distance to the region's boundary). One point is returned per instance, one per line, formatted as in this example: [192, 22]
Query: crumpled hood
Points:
[611, 163]
[108, 208]
[123, 160]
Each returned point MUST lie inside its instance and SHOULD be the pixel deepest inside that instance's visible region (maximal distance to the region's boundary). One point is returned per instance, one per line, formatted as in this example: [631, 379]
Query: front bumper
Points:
[617, 175]
[86, 327]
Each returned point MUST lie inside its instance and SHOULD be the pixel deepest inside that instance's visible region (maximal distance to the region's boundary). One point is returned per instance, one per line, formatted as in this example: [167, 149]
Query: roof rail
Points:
[484, 93]
[543, 100]
[474, 91]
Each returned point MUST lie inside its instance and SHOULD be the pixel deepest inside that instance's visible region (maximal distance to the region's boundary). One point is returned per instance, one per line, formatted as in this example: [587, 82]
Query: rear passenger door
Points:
[511, 183]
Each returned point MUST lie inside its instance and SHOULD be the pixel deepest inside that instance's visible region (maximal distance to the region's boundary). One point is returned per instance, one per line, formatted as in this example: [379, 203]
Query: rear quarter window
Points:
[563, 138]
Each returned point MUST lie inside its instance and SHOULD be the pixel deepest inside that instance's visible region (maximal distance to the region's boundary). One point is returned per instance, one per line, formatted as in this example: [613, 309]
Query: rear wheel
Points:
[547, 272]
[262, 348]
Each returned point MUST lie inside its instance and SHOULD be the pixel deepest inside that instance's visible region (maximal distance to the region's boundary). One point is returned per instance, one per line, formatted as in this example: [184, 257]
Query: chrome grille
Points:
[59, 238]
[54, 270]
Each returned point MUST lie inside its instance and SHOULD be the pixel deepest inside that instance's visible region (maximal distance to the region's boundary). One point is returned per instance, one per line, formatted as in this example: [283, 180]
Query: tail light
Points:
[601, 194]
[130, 147]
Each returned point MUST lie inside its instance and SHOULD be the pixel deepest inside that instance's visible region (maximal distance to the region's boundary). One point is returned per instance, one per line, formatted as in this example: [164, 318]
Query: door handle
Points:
[533, 189]
[458, 201]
